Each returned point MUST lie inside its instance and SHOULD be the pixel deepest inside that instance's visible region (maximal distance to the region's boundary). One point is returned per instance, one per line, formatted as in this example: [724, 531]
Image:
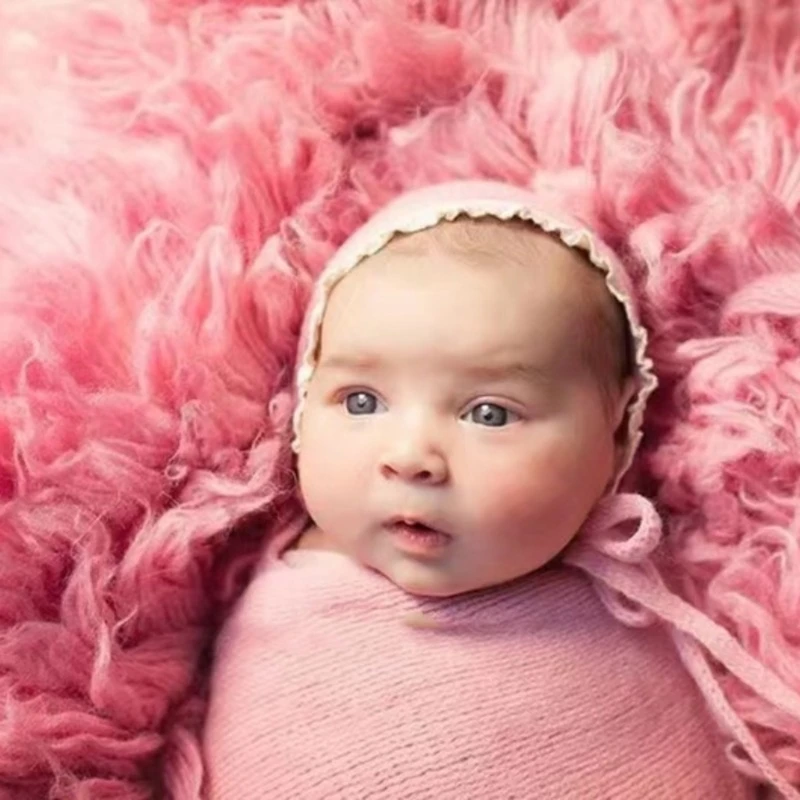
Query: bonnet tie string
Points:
[635, 593]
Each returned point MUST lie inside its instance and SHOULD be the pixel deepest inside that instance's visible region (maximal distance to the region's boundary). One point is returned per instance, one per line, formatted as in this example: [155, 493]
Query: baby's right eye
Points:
[361, 403]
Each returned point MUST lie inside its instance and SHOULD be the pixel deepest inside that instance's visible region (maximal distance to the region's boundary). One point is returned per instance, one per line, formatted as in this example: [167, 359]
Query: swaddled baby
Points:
[471, 385]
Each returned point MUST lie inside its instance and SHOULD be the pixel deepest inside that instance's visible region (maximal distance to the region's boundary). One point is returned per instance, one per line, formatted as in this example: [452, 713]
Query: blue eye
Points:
[491, 415]
[361, 403]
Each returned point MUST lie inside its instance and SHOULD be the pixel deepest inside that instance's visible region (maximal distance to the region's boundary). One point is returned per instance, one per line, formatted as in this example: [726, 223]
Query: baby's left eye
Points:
[491, 415]
[361, 403]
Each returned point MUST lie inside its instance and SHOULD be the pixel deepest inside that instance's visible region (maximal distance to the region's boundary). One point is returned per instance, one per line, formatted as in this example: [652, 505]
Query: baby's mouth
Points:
[414, 522]
[417, 537]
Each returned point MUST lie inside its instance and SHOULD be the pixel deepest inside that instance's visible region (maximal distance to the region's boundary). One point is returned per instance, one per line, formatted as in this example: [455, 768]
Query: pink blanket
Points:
[332, 683]
[175, 173]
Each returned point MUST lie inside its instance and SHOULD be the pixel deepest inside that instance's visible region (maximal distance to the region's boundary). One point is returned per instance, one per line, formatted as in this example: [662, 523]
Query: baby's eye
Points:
[490, 415]
[360, 403]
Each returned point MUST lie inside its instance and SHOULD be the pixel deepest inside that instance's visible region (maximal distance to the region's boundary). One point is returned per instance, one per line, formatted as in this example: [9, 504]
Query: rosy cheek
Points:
[528, 486]
[504, 499]
[331, 464]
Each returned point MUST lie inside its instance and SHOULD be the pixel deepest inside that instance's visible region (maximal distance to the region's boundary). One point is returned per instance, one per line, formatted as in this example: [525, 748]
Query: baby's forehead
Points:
[516, 251]
[522, 270]
[510, 251]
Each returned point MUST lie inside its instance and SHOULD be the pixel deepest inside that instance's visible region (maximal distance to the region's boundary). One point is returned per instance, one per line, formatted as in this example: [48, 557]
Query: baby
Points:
[470, 390]
[468, 408]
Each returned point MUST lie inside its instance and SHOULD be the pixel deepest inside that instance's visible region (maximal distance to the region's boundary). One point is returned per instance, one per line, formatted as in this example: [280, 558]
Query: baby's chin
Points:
[425, 591]
[427, 582]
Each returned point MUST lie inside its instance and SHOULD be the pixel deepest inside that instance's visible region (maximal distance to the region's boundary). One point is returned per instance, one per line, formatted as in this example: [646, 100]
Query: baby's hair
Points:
[606, 337]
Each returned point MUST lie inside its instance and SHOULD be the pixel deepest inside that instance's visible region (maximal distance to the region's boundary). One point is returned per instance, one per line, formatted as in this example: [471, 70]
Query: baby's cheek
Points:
[504, 497]
[319, 479]
[523, 492]
[332, 478]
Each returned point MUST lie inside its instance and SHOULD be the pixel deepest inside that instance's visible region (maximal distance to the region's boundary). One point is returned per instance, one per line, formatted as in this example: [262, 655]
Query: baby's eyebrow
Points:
[349, 362]
[515, 370]
[511, 370]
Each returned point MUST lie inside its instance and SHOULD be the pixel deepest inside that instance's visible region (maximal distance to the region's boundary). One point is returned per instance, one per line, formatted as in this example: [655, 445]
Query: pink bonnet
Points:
[424, 208]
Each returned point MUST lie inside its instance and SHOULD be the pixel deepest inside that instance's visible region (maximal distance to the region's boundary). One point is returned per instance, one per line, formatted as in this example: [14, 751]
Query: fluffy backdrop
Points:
[173, 174]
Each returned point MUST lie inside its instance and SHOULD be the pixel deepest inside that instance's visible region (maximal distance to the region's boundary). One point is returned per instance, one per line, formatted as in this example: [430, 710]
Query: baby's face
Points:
[455, 435]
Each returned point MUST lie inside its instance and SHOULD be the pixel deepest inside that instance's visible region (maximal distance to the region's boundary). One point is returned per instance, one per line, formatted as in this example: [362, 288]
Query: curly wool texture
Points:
[175, 174]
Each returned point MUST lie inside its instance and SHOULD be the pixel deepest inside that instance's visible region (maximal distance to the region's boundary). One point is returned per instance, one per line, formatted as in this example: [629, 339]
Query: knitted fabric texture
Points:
[332, 683]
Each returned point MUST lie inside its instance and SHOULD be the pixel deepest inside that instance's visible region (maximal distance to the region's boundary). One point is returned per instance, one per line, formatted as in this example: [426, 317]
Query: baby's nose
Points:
[418, 462]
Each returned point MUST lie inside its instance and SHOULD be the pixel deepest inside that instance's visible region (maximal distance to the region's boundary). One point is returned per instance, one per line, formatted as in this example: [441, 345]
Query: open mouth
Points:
[421, 527]
[417, 537]
[412, 524]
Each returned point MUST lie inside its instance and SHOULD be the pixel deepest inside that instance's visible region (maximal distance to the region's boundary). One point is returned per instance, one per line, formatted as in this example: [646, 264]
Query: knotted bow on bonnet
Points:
[621, 565]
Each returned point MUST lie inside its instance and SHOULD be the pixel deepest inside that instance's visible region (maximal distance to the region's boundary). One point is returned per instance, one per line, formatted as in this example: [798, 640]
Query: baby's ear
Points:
[620, 417]
[620, 421]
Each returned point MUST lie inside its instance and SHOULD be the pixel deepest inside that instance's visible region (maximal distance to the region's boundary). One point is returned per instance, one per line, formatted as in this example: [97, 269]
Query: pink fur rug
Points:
[174, 174]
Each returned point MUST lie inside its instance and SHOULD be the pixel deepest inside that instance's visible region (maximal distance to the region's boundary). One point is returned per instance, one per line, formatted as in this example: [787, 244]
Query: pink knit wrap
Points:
[333, 683]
